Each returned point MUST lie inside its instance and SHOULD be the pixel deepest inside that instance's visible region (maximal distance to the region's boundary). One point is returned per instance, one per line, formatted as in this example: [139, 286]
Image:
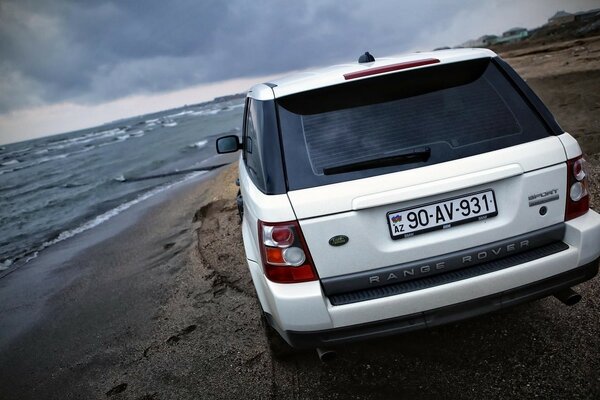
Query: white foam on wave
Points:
[179, 114]
[88, 137]
[16, 152]
[234, 107]
[5, 264]
[43, 160]
[108, 215]
[11, 162]
[52, 158]
[199, 145]
[169, 124]
[205, 112]
[121, 138]
[61, 156]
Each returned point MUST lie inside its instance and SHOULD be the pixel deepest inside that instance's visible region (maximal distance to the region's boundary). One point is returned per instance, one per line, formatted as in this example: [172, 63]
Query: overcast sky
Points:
[68, 64]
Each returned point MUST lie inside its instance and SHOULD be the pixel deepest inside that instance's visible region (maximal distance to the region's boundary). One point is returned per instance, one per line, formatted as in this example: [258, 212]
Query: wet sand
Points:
[107, 311]
[158, 304]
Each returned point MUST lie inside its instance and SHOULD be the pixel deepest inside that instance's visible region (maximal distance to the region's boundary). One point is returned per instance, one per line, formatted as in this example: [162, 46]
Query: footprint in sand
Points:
[117, 389]
[176, 338]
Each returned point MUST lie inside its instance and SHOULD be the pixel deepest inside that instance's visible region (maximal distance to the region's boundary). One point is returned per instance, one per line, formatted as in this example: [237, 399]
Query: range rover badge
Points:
[338, 240]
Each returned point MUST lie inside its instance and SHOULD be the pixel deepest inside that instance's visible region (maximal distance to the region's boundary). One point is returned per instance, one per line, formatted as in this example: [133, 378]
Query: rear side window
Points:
[454, 111]
[262, 148]
[253, 126]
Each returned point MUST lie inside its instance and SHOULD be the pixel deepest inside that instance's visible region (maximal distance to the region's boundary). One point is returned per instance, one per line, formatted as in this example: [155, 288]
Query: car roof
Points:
[333, 75]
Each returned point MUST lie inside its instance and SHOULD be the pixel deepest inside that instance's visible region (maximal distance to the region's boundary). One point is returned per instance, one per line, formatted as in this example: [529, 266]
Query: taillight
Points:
[578, 196]
[284, 253]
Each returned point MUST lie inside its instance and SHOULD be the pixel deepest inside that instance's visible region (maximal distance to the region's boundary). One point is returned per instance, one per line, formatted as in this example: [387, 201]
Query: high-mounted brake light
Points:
[390, 68]
[284, 253]
[578, 196]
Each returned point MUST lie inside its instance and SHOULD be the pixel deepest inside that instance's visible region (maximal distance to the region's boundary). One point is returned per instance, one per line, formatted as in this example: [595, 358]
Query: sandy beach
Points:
[158, 304]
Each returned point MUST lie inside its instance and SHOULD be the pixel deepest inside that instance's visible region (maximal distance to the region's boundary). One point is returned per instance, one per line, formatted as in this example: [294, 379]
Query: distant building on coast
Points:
[510, 36]
[483, 41]
[561, 17]
[585, 16]
[513, 35]
[561, 24]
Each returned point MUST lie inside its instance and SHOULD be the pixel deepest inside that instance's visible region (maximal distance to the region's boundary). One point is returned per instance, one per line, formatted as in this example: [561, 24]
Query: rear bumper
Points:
[442, 315]
[305, 316]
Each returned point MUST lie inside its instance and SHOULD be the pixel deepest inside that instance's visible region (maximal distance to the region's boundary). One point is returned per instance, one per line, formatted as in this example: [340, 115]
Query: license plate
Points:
[442, 215]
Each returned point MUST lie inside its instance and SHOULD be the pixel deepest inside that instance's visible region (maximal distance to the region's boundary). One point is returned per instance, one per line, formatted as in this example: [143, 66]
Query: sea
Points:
[56, 187]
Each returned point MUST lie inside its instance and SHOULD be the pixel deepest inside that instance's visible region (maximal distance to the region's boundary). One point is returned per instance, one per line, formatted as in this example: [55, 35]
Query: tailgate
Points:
[362, 210]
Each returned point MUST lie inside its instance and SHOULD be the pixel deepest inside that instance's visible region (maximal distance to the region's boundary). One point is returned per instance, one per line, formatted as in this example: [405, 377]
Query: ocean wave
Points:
[198, 145]
[42, 160]
[87, 138]
[5, 264]
[11, 162]
[121, 138]
[61, 156]
[17, 152]
[169, 123]
[106, 216]
[72, 185]
[180, 114]
[6, 188]
[18, 191]
[9, 170]
[52, 158]
[205, 112]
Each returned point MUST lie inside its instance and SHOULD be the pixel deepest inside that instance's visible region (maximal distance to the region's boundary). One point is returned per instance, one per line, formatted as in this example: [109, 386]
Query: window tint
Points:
[262, 148]
[252, 143]
[455, 117]
[457, 110]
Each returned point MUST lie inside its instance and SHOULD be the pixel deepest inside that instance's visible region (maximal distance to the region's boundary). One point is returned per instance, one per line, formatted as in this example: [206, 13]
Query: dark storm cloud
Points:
[89, 52]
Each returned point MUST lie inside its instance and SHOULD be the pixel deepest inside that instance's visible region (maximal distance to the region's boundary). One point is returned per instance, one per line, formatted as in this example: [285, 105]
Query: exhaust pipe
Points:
[326, 355]
[568, 296]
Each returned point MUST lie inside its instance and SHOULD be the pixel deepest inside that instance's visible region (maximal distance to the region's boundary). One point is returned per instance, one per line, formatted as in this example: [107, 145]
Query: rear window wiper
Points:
[414, 155]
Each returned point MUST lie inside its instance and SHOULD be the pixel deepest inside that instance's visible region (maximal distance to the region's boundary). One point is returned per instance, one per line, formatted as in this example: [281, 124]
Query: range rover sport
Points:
[397, 194]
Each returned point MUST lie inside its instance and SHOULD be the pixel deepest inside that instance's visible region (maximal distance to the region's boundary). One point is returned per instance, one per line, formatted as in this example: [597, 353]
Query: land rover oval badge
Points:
[338, 240]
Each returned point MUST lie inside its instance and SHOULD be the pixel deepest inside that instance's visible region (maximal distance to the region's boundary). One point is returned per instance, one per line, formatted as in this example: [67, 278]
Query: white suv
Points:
[386, 196]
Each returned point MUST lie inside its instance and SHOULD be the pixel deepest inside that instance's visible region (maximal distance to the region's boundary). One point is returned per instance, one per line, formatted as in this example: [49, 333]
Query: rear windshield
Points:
[444, 112]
